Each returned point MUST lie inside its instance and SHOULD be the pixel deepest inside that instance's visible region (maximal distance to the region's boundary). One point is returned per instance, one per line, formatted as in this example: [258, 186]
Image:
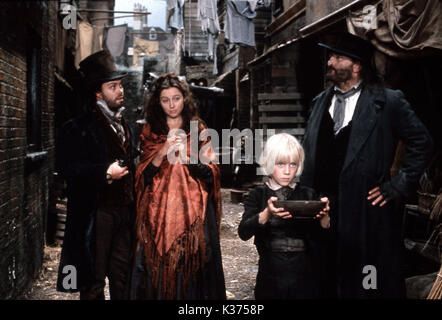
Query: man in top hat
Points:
[97, 153]
[350, 144]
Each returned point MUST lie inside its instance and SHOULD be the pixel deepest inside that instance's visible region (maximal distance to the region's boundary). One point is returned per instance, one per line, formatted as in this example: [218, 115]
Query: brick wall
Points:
[24, 184]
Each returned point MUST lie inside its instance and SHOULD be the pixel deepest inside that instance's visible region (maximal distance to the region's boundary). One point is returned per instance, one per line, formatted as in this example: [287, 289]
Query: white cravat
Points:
[350, 105]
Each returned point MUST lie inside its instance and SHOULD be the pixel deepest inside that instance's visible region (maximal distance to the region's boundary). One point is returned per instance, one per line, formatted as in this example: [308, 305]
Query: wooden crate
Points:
[281, 112]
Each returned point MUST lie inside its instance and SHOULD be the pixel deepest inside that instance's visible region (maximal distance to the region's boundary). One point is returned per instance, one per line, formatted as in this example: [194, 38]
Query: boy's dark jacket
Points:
[256, 201]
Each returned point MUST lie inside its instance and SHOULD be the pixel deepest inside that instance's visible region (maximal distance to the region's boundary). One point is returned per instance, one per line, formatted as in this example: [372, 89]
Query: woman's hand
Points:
[323, 216]
[173, 143]
[271, 210]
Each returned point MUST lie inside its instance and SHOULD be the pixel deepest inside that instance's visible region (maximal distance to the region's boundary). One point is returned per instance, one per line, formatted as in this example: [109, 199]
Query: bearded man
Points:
[97, 160]
[350, 144]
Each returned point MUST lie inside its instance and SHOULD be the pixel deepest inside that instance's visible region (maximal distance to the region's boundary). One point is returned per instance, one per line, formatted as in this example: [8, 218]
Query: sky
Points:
[157, 18]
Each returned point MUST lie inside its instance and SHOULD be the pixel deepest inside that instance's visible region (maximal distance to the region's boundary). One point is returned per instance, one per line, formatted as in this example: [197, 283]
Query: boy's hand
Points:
[271, 210]
[277, 212]
[323, 214]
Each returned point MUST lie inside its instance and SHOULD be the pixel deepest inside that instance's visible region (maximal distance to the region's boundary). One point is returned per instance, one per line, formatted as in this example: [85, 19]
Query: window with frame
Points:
[152, 34]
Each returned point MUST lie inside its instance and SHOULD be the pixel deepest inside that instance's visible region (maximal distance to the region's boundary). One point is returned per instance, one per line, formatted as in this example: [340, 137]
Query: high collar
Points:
[273, 185]
[115, 115]
[357, 86]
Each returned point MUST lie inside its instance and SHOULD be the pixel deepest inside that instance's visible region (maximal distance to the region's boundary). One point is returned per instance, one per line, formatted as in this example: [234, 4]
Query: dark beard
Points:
[338, 76]
[113, 105]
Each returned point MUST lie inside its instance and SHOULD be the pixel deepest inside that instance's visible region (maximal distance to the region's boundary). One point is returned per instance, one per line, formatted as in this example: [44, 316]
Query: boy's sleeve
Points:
[249, 224]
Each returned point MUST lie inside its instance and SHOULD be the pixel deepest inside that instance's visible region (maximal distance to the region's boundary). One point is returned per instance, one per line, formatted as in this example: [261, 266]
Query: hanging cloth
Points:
[175, 14]
[239, 27]
[114, 39]
[149, 48]
[401, 28]
[89, 39]
[207, 13]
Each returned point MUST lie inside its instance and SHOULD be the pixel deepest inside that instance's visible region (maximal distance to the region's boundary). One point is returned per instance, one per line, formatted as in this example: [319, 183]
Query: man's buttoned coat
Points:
[83, 162]
[370, 235]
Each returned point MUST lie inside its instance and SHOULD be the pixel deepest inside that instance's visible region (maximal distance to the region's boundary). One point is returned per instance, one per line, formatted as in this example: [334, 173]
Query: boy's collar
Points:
[273, 185]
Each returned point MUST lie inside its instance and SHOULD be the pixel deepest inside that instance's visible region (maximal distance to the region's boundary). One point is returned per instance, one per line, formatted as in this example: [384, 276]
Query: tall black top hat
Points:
[351, 46]
[99, 67]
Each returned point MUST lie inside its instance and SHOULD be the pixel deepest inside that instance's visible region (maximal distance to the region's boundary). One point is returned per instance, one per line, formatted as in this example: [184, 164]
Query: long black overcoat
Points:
[370, 236]
[83, 162]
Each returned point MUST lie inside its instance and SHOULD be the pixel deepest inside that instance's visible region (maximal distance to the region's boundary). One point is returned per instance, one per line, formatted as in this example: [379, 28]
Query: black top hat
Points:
[99, 67]
[351, 46]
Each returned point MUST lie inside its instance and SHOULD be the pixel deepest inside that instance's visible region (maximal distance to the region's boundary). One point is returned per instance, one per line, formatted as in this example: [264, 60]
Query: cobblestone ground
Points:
[239, 262]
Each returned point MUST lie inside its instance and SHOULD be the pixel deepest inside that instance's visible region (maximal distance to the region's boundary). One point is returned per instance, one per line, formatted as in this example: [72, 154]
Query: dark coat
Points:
[283, 275]
[366, 234]
[83, 162]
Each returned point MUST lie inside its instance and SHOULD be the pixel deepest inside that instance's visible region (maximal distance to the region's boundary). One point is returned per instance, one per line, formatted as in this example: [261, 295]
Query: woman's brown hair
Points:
[155, 115]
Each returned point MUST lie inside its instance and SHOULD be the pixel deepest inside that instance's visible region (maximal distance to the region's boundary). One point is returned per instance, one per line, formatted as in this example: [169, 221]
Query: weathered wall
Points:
[317, 9]
[24, 184]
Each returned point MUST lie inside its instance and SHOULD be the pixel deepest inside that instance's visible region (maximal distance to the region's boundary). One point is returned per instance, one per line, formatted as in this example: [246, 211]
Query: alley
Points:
[97, 83]
[239, 262]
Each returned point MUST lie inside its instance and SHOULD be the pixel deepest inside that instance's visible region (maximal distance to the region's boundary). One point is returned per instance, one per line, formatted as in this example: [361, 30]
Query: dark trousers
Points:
[113, 252]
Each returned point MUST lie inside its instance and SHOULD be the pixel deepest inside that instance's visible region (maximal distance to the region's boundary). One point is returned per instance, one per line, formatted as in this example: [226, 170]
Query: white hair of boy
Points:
[282, 147]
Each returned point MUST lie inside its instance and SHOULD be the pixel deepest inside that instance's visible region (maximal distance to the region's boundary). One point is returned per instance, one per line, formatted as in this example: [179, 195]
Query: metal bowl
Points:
[301, 209]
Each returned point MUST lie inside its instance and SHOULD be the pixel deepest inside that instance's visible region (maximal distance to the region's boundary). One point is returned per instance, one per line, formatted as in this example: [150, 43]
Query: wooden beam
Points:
[285, 18]
[280, 107]
[281, 120]
[331, 18]
[279, 96]
[292, 131]
[113, 11]
[282, 72]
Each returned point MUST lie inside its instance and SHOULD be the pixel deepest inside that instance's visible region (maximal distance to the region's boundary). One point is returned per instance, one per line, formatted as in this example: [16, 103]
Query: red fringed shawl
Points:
[170, 216]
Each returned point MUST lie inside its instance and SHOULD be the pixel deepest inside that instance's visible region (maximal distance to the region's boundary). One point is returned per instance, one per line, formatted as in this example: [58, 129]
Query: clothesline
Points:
[94, 19]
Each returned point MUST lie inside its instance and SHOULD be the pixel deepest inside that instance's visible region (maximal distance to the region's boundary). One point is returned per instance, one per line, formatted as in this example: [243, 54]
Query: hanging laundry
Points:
[239, 27]
[149, 48]
[175, 14]
[208, 14]
[253, 4]
[166, 47]
[114, 39]
[89, 39]
[213, 44]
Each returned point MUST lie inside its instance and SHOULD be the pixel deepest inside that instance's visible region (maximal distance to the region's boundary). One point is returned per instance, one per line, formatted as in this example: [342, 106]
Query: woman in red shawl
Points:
[178, 204]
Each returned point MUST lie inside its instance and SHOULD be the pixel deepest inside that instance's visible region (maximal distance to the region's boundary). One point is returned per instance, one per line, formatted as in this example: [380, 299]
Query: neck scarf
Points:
[113, 118]
[339, 110]
[170, 216]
